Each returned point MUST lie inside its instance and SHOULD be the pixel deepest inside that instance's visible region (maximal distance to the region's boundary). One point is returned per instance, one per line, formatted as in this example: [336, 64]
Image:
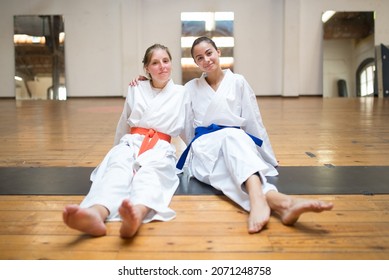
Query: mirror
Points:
[39, 57]
[348, 54]
[216, 25]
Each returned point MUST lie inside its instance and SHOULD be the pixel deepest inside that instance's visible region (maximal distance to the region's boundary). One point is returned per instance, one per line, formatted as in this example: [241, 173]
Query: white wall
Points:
[105, 40]
[341, 59]
[257, 57]
[337, 64]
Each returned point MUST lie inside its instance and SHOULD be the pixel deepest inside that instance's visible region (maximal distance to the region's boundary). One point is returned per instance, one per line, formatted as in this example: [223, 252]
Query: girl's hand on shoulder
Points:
[135, 81]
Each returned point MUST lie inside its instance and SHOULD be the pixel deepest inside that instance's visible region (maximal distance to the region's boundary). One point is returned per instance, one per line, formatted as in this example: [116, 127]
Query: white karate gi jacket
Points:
[150, 178]
[226, 158]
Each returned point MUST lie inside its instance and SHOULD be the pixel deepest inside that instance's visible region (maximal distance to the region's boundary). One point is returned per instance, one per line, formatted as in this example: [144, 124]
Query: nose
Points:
[164, 66]
[161, 65]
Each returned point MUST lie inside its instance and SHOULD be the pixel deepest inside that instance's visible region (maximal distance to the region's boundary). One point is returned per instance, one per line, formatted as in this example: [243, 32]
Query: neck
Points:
[214, 78]
[215, 75]
[159, 85]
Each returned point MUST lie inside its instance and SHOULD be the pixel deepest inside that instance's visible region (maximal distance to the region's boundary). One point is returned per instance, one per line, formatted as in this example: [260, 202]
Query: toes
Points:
[254, 227]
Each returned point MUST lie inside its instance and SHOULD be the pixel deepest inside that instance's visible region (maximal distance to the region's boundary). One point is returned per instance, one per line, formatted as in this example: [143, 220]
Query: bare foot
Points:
[299, 206]
[259, 208]
[259, 215]
[290, 208]
[87, 220]
[132, 217]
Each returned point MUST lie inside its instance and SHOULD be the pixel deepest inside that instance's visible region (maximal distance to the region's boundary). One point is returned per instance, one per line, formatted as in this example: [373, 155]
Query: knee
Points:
[238, 138]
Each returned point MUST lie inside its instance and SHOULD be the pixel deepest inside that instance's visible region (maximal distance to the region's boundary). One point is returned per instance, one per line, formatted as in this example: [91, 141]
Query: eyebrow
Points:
[204, 52]
[157, 59]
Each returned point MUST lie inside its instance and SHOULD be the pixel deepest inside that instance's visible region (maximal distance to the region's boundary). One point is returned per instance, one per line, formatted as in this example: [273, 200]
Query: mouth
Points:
[209, 66]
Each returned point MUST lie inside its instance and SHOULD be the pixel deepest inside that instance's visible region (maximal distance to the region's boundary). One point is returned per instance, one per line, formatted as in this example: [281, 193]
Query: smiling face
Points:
[206, 56]
[159, 67]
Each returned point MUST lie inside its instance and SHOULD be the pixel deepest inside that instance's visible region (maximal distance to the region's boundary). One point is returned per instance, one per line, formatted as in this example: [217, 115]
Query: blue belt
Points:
[201, 130]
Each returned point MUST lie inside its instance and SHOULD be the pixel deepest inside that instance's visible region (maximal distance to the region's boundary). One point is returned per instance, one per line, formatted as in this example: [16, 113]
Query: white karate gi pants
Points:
[120, 176]
[225, 159]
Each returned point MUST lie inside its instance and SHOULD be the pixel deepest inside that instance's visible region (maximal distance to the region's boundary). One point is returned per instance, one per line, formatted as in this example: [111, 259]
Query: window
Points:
[216, 25]
[367, 81]
[366, 78]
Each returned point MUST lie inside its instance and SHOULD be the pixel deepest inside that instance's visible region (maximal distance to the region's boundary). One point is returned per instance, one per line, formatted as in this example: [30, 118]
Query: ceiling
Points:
[349, 25]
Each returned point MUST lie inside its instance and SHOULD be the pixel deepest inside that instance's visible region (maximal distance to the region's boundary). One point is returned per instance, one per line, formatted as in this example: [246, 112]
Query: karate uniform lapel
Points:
[218, 111]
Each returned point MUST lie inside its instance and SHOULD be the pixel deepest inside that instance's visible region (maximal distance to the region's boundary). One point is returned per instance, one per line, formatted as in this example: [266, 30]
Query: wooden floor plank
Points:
[78, 132]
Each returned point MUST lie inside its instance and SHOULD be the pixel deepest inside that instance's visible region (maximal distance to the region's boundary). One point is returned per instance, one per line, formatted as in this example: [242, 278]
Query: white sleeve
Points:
[122, 126]
[187, 133]
[254, 124]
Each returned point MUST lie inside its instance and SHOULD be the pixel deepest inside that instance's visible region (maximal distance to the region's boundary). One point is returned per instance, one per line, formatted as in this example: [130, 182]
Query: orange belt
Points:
[151, 137]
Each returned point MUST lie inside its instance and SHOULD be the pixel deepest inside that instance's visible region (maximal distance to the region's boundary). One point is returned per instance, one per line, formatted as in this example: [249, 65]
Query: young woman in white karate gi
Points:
[227, 158]
[135, 183]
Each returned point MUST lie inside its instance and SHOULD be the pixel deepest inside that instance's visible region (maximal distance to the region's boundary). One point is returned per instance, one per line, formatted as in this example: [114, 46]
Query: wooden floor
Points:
[305, 131]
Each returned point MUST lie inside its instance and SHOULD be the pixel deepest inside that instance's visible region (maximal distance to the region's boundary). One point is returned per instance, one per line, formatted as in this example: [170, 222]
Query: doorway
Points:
[348, 41]
[39, 43]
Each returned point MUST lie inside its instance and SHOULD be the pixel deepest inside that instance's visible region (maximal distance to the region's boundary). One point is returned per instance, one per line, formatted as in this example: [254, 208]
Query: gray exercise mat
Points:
[367, 180]
[317, 180]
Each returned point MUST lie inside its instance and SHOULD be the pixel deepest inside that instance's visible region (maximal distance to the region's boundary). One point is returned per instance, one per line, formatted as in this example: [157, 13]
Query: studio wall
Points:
[278, 43]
